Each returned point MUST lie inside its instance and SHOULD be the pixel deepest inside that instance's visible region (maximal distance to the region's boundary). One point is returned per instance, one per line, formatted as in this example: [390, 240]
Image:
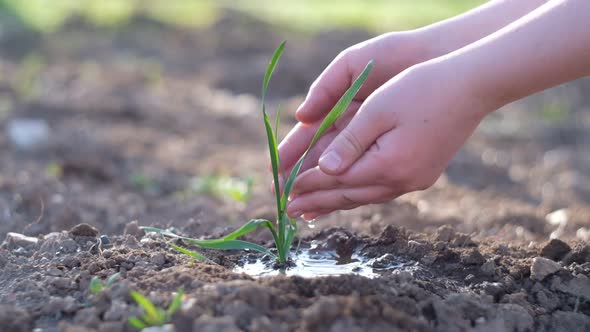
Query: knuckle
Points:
[351, 142]
[347, 201]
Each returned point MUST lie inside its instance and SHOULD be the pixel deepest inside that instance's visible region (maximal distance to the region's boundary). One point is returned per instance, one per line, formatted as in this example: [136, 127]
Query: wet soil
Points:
[500, 243]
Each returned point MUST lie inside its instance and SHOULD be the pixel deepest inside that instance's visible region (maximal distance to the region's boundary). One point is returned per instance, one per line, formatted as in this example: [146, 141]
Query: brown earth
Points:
[164, 105]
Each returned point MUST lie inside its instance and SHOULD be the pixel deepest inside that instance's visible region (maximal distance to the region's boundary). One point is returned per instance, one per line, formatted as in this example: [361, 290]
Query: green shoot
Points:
[284, 229]
[96, 285]
[152, 315]
[223, 187]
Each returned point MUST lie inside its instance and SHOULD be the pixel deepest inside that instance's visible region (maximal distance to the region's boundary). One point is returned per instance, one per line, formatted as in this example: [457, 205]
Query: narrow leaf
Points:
[136, 323]
[328, 121]
[274, 159]
[147, 305]
[249, 227]
[95, 286]
[175, 304]
[271, 67]
[219, 244]
[112, 279]
[193, 254]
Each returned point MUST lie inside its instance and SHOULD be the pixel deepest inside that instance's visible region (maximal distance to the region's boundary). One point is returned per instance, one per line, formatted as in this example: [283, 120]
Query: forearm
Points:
[549, 46]
[454, 33]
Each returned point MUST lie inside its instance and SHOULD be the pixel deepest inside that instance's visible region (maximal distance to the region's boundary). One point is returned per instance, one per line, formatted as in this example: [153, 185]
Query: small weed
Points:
[223, 187]
[96, 285]
[284, 229]
[143, 183]
[152, 315]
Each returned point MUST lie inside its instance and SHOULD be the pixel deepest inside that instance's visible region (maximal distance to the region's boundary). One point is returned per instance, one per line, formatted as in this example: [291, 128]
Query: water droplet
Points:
[311, 224]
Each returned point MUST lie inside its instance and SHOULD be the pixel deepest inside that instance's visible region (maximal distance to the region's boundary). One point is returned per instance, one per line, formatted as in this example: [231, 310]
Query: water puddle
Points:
[309, 263]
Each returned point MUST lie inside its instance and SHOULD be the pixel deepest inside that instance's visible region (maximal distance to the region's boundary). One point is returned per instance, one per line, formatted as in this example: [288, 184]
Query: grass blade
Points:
[95, 285]
[329, 120]
[193, 254]
[271, 67]
[218, 244]
[147, 305]
[249, 227]
[112, 279]
[274, 159]
[277, 123]
[175, 304]
[136, 323]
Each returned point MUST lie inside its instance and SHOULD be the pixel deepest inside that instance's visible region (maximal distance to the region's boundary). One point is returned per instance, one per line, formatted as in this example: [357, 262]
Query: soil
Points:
[132, 114]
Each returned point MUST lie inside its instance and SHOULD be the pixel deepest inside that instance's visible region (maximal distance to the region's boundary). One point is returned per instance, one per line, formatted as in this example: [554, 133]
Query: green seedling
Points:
[97, 285]
[152, 315]
[223, 187]
[284, 229]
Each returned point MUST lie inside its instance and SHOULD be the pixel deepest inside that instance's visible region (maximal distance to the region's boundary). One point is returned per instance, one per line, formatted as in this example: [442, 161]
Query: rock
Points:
[542, 268]
[445, 233]
[14, 319]
[569, 322]
[206, 323]
[488, 268]
[578, 286]
[116, 311]
[163, 328]
[111, 327]
[555, 249]
[104, 240]
[158, 259]
[133, 229]
[384, 261]
[17, 240]
[28, 134]
[67, 246]
[83, 230]
[472, 257]
[515, 318]
[63, 283]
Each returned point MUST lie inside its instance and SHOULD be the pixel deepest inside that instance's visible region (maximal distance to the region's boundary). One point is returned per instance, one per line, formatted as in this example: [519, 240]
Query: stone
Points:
[472, 257]
[555, 249]
[578, 286]
[83, 230]
[15, 319]
[158, 259]
[569, 322]
[17, 240]
[445, 233]
[488, 268]
[28, 134]
[543, 267]
[133, 229]
[206, 323]
[163, 328]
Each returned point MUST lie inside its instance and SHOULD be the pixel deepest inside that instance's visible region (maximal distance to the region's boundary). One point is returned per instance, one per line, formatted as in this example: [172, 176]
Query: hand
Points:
[400, 140]
[391, 52]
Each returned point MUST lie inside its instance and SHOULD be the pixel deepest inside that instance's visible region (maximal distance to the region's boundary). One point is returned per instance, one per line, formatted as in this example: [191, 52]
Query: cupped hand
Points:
[392, 53]
[400, 140]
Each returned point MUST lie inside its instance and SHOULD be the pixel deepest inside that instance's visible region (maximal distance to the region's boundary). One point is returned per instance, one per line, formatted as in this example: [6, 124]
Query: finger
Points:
[326, 90]
[295, 143]
[338, 199]
[363, 173]
[310, 216]
[366, 126]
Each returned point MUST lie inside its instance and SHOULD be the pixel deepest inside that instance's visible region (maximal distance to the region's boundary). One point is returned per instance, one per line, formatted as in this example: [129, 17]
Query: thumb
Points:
[352, 142]
[325, 90]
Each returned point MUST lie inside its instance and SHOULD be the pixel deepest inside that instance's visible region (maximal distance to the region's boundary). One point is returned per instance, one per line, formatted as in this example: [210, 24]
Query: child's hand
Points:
[400, 140]
[392, 53]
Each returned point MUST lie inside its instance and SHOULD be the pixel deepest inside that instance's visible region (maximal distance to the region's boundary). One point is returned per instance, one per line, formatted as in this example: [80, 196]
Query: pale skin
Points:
[429, 90]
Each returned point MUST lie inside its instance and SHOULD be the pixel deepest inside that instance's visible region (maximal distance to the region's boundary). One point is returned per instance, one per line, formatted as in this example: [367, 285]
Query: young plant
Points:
[152, 315]
[96, 285]
[284, 229]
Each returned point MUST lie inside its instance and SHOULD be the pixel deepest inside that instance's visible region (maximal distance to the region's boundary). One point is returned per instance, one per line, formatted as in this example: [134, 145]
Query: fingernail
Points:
[330, 161]
[297, 214]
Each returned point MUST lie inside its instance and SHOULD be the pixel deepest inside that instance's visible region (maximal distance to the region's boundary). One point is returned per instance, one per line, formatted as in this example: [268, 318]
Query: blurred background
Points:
[120, 110]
